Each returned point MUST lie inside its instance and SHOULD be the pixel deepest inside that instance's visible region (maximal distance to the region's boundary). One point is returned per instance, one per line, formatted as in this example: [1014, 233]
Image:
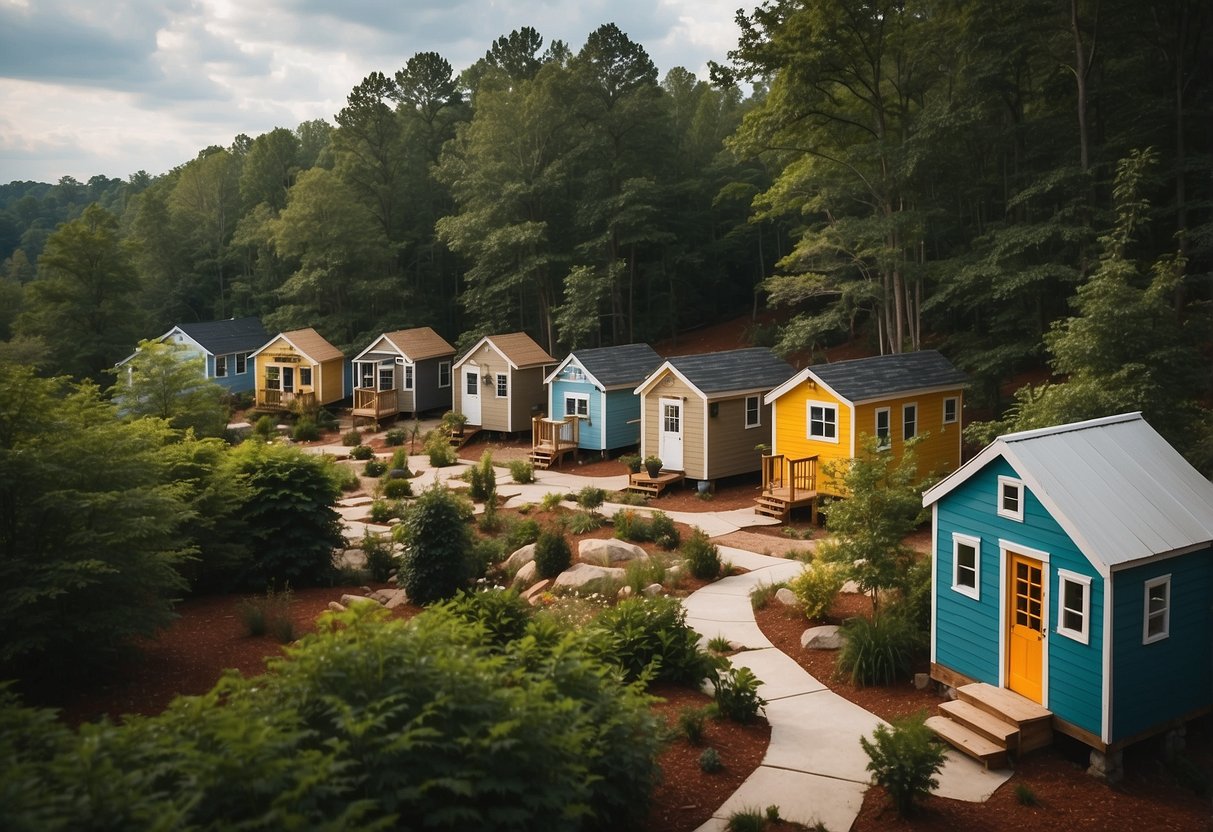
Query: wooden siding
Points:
[731, 445]
[1158, 682]
[967, 631]
[427, 395]
[330, 386]
[792, 430]
[590, 431]
[528, 396]
[692, 422]
[938, 452]
[622, 422]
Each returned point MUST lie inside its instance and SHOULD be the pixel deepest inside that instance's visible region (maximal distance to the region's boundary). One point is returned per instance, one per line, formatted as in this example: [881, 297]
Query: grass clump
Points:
[269, 613]
[878, 651]
[691, 722]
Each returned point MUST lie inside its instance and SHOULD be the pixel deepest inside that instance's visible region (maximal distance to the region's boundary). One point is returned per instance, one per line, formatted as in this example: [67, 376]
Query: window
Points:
[577, 404]
[823, 421]
[366, 375]
[305, 376]
[909, 421]
[272, 378]
[220, 366]
[951, 410]
[471, 382]
[444, 374]
[502, 387]
[386, 377]
[966, 565]
[1010, 498]
[241, 363]
[884, 433]
[1074, 606]
[753, 415]
[408, 377]
[1157, 623]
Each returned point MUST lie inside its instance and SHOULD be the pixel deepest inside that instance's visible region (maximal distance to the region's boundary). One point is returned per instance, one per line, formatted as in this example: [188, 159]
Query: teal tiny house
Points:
[596, 386]
[1073, 566]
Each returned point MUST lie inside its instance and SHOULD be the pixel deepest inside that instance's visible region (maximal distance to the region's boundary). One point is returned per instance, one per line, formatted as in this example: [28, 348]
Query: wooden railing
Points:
[555, 434]
[278, 400]
[376, 403]
[798, 476]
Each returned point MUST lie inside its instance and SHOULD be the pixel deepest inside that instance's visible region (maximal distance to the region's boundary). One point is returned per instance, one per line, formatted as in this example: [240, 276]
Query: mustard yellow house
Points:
[299, 370]
[820, 414]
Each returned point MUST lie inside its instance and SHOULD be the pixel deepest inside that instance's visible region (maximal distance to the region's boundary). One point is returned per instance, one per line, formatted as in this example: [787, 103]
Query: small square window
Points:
[909, 421]
[966, 565]
[502, 388]
[884, 431]
[823, 421]
[1074, 605]
[753, 414]
[444, 374]
[951, 410]
[1157, 620]
[1010, 498]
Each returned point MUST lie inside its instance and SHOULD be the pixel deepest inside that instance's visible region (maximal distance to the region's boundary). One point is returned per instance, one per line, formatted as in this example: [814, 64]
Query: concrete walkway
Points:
[814, 770]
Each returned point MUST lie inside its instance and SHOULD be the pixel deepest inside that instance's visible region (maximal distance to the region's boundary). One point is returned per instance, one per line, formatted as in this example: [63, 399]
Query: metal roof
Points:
[882, 376]
[1115, 485]
[752, 368]
[625, 365]
[227, 336]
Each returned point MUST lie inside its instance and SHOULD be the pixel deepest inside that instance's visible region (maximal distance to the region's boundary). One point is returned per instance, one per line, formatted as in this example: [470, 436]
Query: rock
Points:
[335, 607]
[515, 561]
[527, 574]
[532, 595]
[580, 574]
[825, 637]
[653, 590]
[606, 552]
[395, 598]
[786, 597]
[625, 592]
[1107, 767]
[351, 600]
[922, 680]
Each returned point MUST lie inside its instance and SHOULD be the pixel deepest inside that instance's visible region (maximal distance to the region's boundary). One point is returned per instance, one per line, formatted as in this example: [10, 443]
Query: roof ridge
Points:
[1034, 433]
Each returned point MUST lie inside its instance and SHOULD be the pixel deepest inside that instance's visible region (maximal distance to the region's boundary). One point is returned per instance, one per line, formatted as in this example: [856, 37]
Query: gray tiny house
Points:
[407, 371]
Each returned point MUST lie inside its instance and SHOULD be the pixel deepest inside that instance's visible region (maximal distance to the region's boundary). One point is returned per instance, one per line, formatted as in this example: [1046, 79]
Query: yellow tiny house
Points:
[299, 369]
[821, 412]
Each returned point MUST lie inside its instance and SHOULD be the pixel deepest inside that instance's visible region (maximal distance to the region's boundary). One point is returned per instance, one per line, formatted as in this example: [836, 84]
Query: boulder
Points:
[625, 592]
[580, 574]
[524, 555]
[653, 590]
[351, 600]
[825, 637]
[922, 680]
[786, 597]
[335, 607]
[394, 598]
[607, 552]
[531, 596]
[526, 575]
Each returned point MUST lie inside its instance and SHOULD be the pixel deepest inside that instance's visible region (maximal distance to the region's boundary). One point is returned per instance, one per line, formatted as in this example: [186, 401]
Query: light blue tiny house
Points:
[1073, 566]
[224, 345]
[597, 387]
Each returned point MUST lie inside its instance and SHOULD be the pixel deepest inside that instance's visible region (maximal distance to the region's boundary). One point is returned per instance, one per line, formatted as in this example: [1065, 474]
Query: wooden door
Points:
[1026, 627]
[470, 401]
[669, 445]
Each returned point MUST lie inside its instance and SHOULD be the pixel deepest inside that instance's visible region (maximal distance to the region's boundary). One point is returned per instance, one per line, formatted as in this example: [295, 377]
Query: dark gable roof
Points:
[624, 365]
[884, 375]
[753, 368]
[232, 335]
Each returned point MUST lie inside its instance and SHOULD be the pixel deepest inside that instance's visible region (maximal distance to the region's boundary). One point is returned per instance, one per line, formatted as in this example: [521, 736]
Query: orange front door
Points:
[1025, 638]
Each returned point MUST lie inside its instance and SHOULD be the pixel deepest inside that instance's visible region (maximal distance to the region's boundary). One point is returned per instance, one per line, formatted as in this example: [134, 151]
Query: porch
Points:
[553, 439]
[278, 400]
[787, 484]
[375, 404]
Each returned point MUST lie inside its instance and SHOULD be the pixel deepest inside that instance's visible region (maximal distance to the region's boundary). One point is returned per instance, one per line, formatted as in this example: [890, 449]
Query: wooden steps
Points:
[991, 724]
[779, 502]
[458, 440]
[772, 506]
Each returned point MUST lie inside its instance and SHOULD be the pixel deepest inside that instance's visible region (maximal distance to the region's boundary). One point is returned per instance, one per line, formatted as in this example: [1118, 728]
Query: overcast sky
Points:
[114, 86]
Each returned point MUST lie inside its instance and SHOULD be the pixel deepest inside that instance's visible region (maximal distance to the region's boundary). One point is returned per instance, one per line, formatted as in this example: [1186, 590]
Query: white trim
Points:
[808, 420]
[944, 407]
[707, 442]
[851, 422]
[1003, 624]
[487, 339]
[745, 406]
[934, 581]
[222, 358]
[805, 375]
[973, 543]
[774, 429]
[450, 374]
[576, 397]
[1004, 547]
[602, 429]
[1146, 638]
[904, 408]
[888, 438]
[1008, 482]
[408, 377]
[1082, 636]
[1106, 693]
[917, 392]
[653, 377]
[497, 379]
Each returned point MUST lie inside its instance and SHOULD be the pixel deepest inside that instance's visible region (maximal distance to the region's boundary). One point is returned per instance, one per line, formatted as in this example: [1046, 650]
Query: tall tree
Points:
[167, 381]
[206, 199]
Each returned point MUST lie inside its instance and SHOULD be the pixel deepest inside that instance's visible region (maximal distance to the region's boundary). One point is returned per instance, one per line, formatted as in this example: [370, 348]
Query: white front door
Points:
[669, 445]
[471, 395]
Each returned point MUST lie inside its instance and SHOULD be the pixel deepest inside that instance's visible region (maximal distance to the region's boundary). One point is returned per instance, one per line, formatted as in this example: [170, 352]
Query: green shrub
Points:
[252, 615]
[343, 477]
[737, 695]
[1025, 796]
[817, 587]
[905, 761]
[380, 556]
[649, 637]
[746, 820]
[351, 438]
[361, 452]
[481, 479]
[394, 437]
[720, 644]
[269, 613]
[400, 462]
[709, 761]
[485, 552]
[374, 468]
[764, 594]
[551, 501]
[643, 572]
[380, 512]
[397, 489]
[521, 532]
[265, 427]
[326, 420]
[305, 430]
[521, 471]
[437, 540]
[914, 601]
[626, 498]
[702, 556]
[501, 612]
[552, 554]
[581, 522]
[438, 449]
[878, 651]
[663, 532]
[691, 722]
[591, 498]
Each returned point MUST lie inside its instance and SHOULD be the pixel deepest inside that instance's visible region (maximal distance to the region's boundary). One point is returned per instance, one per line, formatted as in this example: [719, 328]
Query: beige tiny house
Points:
[499, 382]
[298, 370]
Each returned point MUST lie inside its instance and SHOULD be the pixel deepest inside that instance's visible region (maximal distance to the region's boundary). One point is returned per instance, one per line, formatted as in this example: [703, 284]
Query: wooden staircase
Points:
[787, 484]
[992, 724]
[463, 436]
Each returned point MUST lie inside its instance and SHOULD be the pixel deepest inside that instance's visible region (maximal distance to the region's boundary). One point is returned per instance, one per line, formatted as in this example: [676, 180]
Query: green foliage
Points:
[905, 761]
[746, 820]
[649, 639]
[702, 556]
[305, 430]
[490, 521]
[709, 761]
[265, 427]
[591, 498]
[438, 449]
[380, 554]
[817, 587]
[581, 522]
[167, 381]
[400, 461]
[737, 695]
[636, 528]
[437, 539]
[663, 531]
[552, 554]
[482, 479]
[361, 452]
[394, 437]
[764, 594]
[374, 468]
[520, 532]
[631, 462]
[1025, 796]
[397, 488]
[344, 477]
[522, 471]
[720, 645]
[643, 572]
[627, 498]
[914, 601]
[269, 613]
[691, 722]
[880, 650]
[486, 552]
[551, 501]
[501, 612]
[352, 438]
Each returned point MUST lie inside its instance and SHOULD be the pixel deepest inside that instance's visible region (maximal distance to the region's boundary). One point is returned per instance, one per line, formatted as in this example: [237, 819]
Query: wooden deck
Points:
[992, 724]
[375, 404]
[787, 484]
[277, 400]
[553, 439]
[642, 483]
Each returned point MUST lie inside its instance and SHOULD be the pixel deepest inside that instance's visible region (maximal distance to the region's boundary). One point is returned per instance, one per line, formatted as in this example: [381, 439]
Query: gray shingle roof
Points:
[884, 375]
[228, 336]
[619, 366]
[753, 368]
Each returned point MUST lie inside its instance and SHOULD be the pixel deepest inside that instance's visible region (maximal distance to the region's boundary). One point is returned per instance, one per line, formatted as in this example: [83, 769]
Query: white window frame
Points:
[825, 407]
[973, 543]
[368, 375]
[885, 441]
[581, 405]
[241, 363]
[220, 366]
[1003, 484]
[907, 410]
[502, 386]
[1083, 634]
[408, 377]
[757, 420]
[384, 373]
[1164, 613]
[954, 401]
[444, 374]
